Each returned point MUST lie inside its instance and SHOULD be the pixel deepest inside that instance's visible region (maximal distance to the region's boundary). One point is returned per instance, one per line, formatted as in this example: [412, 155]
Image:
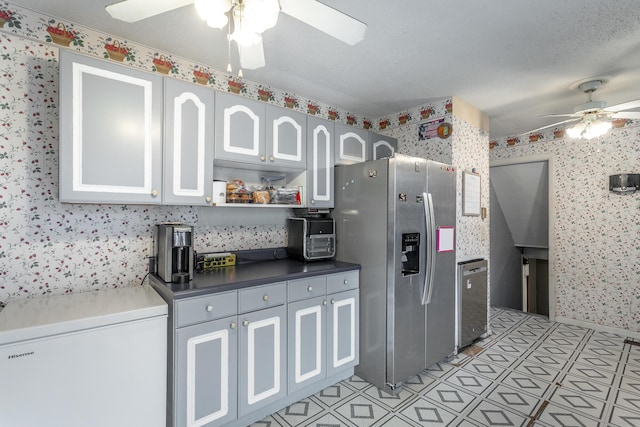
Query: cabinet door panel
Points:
[188, 149]
[240, 127]
[262, 358]
[320, 163]
[352, 145]
[307, 342]
[342, 330]
[110, 132]
[382, 146]
[206, 360]
[286, 137]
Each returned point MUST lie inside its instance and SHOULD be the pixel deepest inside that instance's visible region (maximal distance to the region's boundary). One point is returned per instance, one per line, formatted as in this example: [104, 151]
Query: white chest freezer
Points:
[86, 359]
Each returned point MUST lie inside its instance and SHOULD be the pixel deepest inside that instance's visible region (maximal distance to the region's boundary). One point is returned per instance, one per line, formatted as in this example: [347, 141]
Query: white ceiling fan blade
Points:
[326, 19]
[549, 126]
[252, 57]
[136, 10]
[626, 115]
[562, 115]
[624, 106]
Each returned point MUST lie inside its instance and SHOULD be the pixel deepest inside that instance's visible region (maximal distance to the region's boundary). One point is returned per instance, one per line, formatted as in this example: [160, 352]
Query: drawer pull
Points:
[310, 288]
[209, 308]
[265, 298]
[346, 282]
[233, 325]
[333, 301]
[245, 323]
[324, 302]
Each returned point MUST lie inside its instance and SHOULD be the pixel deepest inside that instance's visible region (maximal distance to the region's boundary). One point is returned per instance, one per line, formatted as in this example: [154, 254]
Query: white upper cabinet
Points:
[382, 146]
[251, 132]
[320, 138]
[286, 137]
[188, 147]
[110, 132]
[351, 145]
[239, 129]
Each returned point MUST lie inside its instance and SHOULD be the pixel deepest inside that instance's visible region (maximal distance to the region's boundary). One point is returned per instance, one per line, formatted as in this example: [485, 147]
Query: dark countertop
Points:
[246, 275]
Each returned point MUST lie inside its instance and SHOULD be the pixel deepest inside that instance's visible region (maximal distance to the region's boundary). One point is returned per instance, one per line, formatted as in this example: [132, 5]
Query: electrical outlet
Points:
[152, 264]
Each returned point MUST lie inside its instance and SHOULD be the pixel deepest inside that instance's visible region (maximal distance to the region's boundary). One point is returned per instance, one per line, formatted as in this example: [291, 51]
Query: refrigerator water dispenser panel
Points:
[410, 254]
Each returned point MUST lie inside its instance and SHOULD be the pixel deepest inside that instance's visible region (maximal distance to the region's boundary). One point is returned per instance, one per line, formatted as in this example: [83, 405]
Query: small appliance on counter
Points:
[174, 252]
[311, 238]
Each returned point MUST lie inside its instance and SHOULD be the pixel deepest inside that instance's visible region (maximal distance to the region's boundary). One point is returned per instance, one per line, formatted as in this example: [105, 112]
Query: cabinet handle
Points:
[208, 199]
[233, 325]
[209, 308]
[333, 301]
[262, 158]
[245, 323]
[346, 282]
[265, 298]
[324, 302]
[271, 159]
[154, 193]
[310, 288]
[313, 202]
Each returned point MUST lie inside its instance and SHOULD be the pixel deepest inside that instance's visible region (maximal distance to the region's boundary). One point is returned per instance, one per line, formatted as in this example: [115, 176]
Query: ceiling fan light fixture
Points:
[589, 128]
[260, 15]
[213, 11]
[242, 34]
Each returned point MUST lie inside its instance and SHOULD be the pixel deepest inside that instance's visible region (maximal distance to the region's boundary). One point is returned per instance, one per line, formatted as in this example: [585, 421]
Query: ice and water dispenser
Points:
[410, 254]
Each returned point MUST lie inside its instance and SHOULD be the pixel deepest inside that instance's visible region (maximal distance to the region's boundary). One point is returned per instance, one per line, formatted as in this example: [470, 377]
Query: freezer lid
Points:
[51, 315]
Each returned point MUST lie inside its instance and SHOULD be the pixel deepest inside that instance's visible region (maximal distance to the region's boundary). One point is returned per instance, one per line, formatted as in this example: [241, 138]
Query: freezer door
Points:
[406, 245]
[440, 329]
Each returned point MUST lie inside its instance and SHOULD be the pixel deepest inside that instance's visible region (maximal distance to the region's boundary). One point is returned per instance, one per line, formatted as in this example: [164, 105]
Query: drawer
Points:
[346, 281]
[307, 288]
[259, 297]
[205, 308]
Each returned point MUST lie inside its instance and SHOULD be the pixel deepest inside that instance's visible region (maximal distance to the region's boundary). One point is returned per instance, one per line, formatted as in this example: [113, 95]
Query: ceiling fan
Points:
[594, 117]
[250, 18]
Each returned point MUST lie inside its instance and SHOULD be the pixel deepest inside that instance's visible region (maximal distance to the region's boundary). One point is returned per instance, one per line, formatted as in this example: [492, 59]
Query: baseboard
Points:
[622, 332]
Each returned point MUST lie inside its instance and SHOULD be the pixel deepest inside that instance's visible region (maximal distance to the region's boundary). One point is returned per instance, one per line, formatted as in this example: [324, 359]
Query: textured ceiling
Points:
[513, 59]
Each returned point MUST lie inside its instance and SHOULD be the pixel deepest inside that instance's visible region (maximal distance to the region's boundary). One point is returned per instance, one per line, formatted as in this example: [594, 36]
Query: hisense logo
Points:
[16, 356]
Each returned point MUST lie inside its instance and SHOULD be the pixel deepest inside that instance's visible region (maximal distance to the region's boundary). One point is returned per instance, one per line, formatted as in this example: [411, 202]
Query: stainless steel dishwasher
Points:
[472, 298]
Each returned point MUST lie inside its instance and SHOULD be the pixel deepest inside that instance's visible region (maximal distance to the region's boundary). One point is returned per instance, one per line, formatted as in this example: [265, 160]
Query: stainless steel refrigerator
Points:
[396, 217]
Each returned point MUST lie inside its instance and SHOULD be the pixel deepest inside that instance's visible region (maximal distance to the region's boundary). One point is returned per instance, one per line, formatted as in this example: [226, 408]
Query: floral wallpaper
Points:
[596, 233]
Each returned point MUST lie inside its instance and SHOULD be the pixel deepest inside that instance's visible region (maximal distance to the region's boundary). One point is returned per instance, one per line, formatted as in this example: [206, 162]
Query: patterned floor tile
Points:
[485, 368]
[497, 358]
[577, 401]
[329, 420]
[564, 340]
[467, 423]
[597, 362]
[395, 420]
[509, 348]
[362, 411]
[357, 383]
[334, 394]
[267, 422]
[559, 416]
[628, 400]
[514, 399]
[589, 372]
[526, 383]
[555, 351]
[300, 412]
[420, 382]
[630, 384]
[537, 371]
[634, 359]
[392, 402]
[623, 417]
[469, 381]
[603, 341]
[526, 332]
[583, 385]
[450, 397]
[604, 352]
[426, 413]
[489, 414]
[546, 359]
[519, 340]
[632, 370]
[440, 370]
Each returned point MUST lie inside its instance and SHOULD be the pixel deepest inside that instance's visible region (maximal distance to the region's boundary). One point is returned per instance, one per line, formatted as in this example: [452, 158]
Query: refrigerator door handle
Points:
[430, 227]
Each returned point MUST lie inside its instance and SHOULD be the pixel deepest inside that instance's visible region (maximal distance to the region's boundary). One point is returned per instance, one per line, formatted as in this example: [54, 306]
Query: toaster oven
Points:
[311, 239]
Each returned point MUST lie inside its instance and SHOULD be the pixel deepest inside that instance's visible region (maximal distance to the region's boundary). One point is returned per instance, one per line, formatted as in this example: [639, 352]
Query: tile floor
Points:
[530, 372]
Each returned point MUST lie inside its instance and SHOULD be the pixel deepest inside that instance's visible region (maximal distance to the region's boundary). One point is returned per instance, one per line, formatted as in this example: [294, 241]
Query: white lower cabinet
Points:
[238, 356]
[206, 363]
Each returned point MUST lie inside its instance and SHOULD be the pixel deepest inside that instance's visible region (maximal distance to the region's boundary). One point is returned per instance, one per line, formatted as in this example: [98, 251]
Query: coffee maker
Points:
[174, 252]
